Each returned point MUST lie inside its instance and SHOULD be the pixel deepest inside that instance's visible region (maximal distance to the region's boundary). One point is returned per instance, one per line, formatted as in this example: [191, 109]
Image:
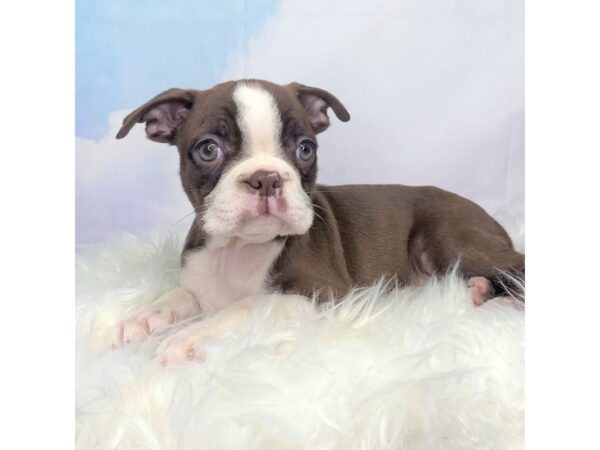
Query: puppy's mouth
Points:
[264, 207]
[251, 211]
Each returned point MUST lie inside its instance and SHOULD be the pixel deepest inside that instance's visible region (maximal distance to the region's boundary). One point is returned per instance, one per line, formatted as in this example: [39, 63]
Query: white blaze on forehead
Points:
[258, 119]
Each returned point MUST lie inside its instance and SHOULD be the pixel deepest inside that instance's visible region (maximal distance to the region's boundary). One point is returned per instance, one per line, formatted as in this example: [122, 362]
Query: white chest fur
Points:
[224, 272]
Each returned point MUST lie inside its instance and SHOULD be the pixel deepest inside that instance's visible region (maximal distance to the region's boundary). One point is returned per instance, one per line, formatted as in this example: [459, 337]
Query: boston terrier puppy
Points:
[248, 164]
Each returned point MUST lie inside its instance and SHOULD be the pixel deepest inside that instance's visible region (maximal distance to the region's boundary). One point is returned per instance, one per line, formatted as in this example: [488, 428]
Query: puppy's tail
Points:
[510, 282]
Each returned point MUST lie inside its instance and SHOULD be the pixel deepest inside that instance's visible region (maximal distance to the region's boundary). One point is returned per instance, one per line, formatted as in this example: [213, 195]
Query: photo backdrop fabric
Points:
[434, 88]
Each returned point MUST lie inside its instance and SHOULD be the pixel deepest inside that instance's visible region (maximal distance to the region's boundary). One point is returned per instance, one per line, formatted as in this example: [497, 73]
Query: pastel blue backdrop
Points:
[435, 89]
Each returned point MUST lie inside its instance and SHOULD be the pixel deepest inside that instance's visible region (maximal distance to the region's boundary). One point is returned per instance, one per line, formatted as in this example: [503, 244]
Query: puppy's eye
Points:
[305, 151]
[207, 151]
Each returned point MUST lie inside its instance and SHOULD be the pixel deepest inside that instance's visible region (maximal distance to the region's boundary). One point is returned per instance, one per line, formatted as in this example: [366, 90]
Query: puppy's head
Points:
[248, 152]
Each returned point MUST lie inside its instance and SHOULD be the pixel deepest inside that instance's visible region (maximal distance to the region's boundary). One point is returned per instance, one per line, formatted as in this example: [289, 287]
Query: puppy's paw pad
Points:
[127, 331]
[179, 348]
[139, 327]
[481, 289]
[158, 320]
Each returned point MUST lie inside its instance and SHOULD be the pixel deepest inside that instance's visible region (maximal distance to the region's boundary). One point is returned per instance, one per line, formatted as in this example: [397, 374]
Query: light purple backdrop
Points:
[434, 87]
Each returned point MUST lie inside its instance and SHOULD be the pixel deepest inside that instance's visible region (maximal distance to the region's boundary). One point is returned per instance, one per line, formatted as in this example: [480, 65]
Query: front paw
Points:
[138, 327]
[181, 347]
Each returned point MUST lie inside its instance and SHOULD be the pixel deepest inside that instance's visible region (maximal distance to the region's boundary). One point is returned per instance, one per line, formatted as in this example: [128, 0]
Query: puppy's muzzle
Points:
[264, 183]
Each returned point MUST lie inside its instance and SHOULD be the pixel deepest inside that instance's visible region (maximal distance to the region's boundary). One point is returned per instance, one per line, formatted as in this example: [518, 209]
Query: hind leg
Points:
[423, 267]
[480, 256]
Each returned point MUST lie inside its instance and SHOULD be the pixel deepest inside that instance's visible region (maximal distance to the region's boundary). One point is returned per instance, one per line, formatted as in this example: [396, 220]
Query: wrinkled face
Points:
[247, 167]
[248, 153]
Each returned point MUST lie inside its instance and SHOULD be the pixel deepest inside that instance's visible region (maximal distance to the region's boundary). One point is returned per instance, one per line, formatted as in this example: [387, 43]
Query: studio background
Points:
[434, 88]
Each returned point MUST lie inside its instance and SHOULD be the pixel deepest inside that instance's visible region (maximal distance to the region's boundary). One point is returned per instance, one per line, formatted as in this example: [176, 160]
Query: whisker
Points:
[323, 192]
[328, 189]
[323, 220]
[185, 217]
[320, 207]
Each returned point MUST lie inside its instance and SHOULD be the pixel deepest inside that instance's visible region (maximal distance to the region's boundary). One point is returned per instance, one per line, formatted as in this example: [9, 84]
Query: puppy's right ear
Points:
[162, 115]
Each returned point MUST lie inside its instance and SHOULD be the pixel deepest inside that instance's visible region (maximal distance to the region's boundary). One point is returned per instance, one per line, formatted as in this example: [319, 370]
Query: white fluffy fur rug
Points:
[410, 369]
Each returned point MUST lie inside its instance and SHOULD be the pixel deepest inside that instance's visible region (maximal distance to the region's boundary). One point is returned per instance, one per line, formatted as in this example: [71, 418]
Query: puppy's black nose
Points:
[264, 182]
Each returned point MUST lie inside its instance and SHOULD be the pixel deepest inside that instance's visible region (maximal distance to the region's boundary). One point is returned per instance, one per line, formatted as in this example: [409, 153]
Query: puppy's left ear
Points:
[315, 102]
[162, 115]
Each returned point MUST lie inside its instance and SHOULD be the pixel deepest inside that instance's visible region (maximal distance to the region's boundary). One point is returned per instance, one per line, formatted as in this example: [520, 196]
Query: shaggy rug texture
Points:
[383, 369]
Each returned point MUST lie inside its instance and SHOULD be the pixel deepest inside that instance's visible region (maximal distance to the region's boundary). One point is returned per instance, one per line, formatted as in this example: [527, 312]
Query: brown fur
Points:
[361, 232]
[365, 232]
